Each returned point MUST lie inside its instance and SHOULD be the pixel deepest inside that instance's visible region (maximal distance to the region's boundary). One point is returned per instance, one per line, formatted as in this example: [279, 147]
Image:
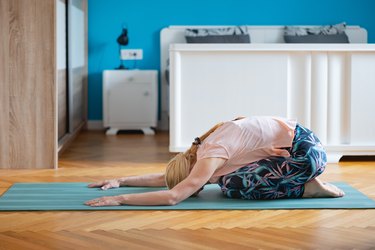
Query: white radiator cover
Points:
[329, 88]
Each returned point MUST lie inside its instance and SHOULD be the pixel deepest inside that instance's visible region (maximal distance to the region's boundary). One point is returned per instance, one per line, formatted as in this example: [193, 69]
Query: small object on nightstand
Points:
[130, 100]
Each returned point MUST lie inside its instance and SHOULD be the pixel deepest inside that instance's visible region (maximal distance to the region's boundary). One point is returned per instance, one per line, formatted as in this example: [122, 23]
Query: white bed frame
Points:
[327, 87]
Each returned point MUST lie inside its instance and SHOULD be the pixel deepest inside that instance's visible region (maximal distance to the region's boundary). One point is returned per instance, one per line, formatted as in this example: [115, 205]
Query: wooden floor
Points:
[93, 156]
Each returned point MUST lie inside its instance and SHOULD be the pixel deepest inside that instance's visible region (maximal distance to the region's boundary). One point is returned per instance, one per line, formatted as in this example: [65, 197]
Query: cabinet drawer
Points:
[136, 76]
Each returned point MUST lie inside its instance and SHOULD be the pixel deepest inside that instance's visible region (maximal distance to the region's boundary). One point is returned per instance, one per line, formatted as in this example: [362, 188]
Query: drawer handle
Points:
[146, 93]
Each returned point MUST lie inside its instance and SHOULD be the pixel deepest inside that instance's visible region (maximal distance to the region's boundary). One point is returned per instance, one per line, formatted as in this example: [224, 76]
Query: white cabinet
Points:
[329, 88]
[130, 100]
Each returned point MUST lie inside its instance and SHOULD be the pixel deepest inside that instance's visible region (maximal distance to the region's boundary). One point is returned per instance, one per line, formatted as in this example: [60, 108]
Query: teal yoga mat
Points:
[71, 196]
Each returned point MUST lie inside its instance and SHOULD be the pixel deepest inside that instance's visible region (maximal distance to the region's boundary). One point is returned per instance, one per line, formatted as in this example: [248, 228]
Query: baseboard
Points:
[98, 125]
[95, 125]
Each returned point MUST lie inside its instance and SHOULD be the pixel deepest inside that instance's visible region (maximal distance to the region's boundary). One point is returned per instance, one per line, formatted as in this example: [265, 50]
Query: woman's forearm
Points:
[164, 197]
[149, 180]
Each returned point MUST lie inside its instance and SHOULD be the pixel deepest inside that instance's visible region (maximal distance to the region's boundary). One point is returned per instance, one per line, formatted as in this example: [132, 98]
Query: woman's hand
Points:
[105, 201]
[106, 184]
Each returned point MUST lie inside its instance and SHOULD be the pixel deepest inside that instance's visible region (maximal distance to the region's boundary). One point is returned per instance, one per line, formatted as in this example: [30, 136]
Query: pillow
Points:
[324, 34]
[321, 38]
[237, 34]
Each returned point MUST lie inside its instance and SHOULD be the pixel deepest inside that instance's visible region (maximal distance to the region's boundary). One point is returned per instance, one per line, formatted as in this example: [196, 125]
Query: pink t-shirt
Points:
[247, 140]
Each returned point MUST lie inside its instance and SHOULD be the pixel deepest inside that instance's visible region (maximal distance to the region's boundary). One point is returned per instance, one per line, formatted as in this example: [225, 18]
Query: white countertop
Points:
[361, 47]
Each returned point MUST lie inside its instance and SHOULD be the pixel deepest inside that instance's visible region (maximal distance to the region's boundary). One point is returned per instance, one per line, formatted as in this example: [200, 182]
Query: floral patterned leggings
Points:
[278, 177]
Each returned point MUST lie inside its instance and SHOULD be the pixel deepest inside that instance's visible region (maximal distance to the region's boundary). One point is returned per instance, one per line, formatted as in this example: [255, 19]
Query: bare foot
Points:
[318, 189]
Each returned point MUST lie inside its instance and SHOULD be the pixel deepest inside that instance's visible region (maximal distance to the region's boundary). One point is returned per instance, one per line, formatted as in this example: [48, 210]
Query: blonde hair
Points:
[179, 167]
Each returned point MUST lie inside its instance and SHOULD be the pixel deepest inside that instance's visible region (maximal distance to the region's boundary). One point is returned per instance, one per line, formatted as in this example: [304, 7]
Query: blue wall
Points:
[145, 19]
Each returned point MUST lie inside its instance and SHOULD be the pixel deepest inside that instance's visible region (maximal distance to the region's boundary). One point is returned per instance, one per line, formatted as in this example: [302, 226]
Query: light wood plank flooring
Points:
[94, 156]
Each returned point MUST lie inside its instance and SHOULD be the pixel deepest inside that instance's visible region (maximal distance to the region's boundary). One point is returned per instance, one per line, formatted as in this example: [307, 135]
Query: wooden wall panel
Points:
[4, 85]
[28, 84]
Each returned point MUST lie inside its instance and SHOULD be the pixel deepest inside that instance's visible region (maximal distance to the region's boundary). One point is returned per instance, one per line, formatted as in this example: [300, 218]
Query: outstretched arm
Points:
[200, 174]
[148, 180]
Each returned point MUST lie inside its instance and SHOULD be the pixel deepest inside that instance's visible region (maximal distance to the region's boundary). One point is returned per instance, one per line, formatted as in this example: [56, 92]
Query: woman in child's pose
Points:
[250, 158]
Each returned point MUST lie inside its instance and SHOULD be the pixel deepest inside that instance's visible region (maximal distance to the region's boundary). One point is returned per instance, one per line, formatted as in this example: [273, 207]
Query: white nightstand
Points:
[130, 100]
